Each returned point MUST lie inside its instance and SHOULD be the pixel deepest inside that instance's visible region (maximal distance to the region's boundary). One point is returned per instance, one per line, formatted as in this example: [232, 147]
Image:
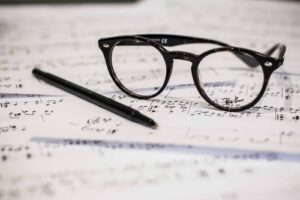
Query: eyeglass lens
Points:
[223, 76]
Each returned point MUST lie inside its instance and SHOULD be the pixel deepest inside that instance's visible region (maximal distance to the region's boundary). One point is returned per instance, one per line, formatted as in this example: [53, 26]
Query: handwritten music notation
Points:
[70, 148]
[42, 109]
[11, 129]
[103, 175]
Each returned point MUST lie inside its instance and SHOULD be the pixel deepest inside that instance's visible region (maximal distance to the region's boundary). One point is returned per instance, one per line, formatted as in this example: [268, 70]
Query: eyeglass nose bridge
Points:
[181, 55]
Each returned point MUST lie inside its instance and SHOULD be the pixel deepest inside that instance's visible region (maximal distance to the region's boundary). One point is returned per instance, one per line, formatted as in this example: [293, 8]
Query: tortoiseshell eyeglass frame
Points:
[268, 63]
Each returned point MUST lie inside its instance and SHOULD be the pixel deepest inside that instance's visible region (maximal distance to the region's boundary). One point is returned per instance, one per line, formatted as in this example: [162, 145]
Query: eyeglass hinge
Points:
[281, 61]
[268, 64]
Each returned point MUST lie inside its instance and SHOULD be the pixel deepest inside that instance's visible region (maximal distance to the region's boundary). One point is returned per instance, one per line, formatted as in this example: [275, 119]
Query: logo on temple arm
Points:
[161, 40]
[164, 40]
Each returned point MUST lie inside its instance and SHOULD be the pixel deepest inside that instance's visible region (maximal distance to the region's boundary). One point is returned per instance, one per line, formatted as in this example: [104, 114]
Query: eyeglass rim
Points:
[107, 45]
[108, 57]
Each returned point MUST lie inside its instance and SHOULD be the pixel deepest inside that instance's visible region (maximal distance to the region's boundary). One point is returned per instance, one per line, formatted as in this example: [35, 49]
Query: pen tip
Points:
[155, 126]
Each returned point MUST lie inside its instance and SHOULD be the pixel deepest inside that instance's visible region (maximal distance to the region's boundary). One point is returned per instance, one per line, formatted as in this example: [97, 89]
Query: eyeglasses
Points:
[227, 77]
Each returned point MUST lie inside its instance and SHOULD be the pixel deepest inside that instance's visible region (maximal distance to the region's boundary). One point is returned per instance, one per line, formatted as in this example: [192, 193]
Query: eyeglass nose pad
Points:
[169, 65]
[195, 72]
[197, 79]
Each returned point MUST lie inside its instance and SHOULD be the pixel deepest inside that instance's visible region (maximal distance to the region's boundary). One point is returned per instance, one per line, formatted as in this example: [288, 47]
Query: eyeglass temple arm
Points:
[174, 40]
[253, 63]
[281, 51]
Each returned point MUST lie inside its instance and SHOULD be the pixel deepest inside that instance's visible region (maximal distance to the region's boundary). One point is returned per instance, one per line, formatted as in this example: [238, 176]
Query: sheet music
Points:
[103, 171]
[63, 41]
[70, 47]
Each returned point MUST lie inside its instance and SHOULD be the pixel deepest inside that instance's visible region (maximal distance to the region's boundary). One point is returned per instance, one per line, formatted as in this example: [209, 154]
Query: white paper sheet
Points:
[63, 40]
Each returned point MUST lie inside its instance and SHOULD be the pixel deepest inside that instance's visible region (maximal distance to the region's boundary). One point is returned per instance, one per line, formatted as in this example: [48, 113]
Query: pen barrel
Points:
[84, 93]
[95, 98]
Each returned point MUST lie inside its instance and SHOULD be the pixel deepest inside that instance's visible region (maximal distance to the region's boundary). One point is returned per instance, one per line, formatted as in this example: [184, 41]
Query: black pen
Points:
[95, 98]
